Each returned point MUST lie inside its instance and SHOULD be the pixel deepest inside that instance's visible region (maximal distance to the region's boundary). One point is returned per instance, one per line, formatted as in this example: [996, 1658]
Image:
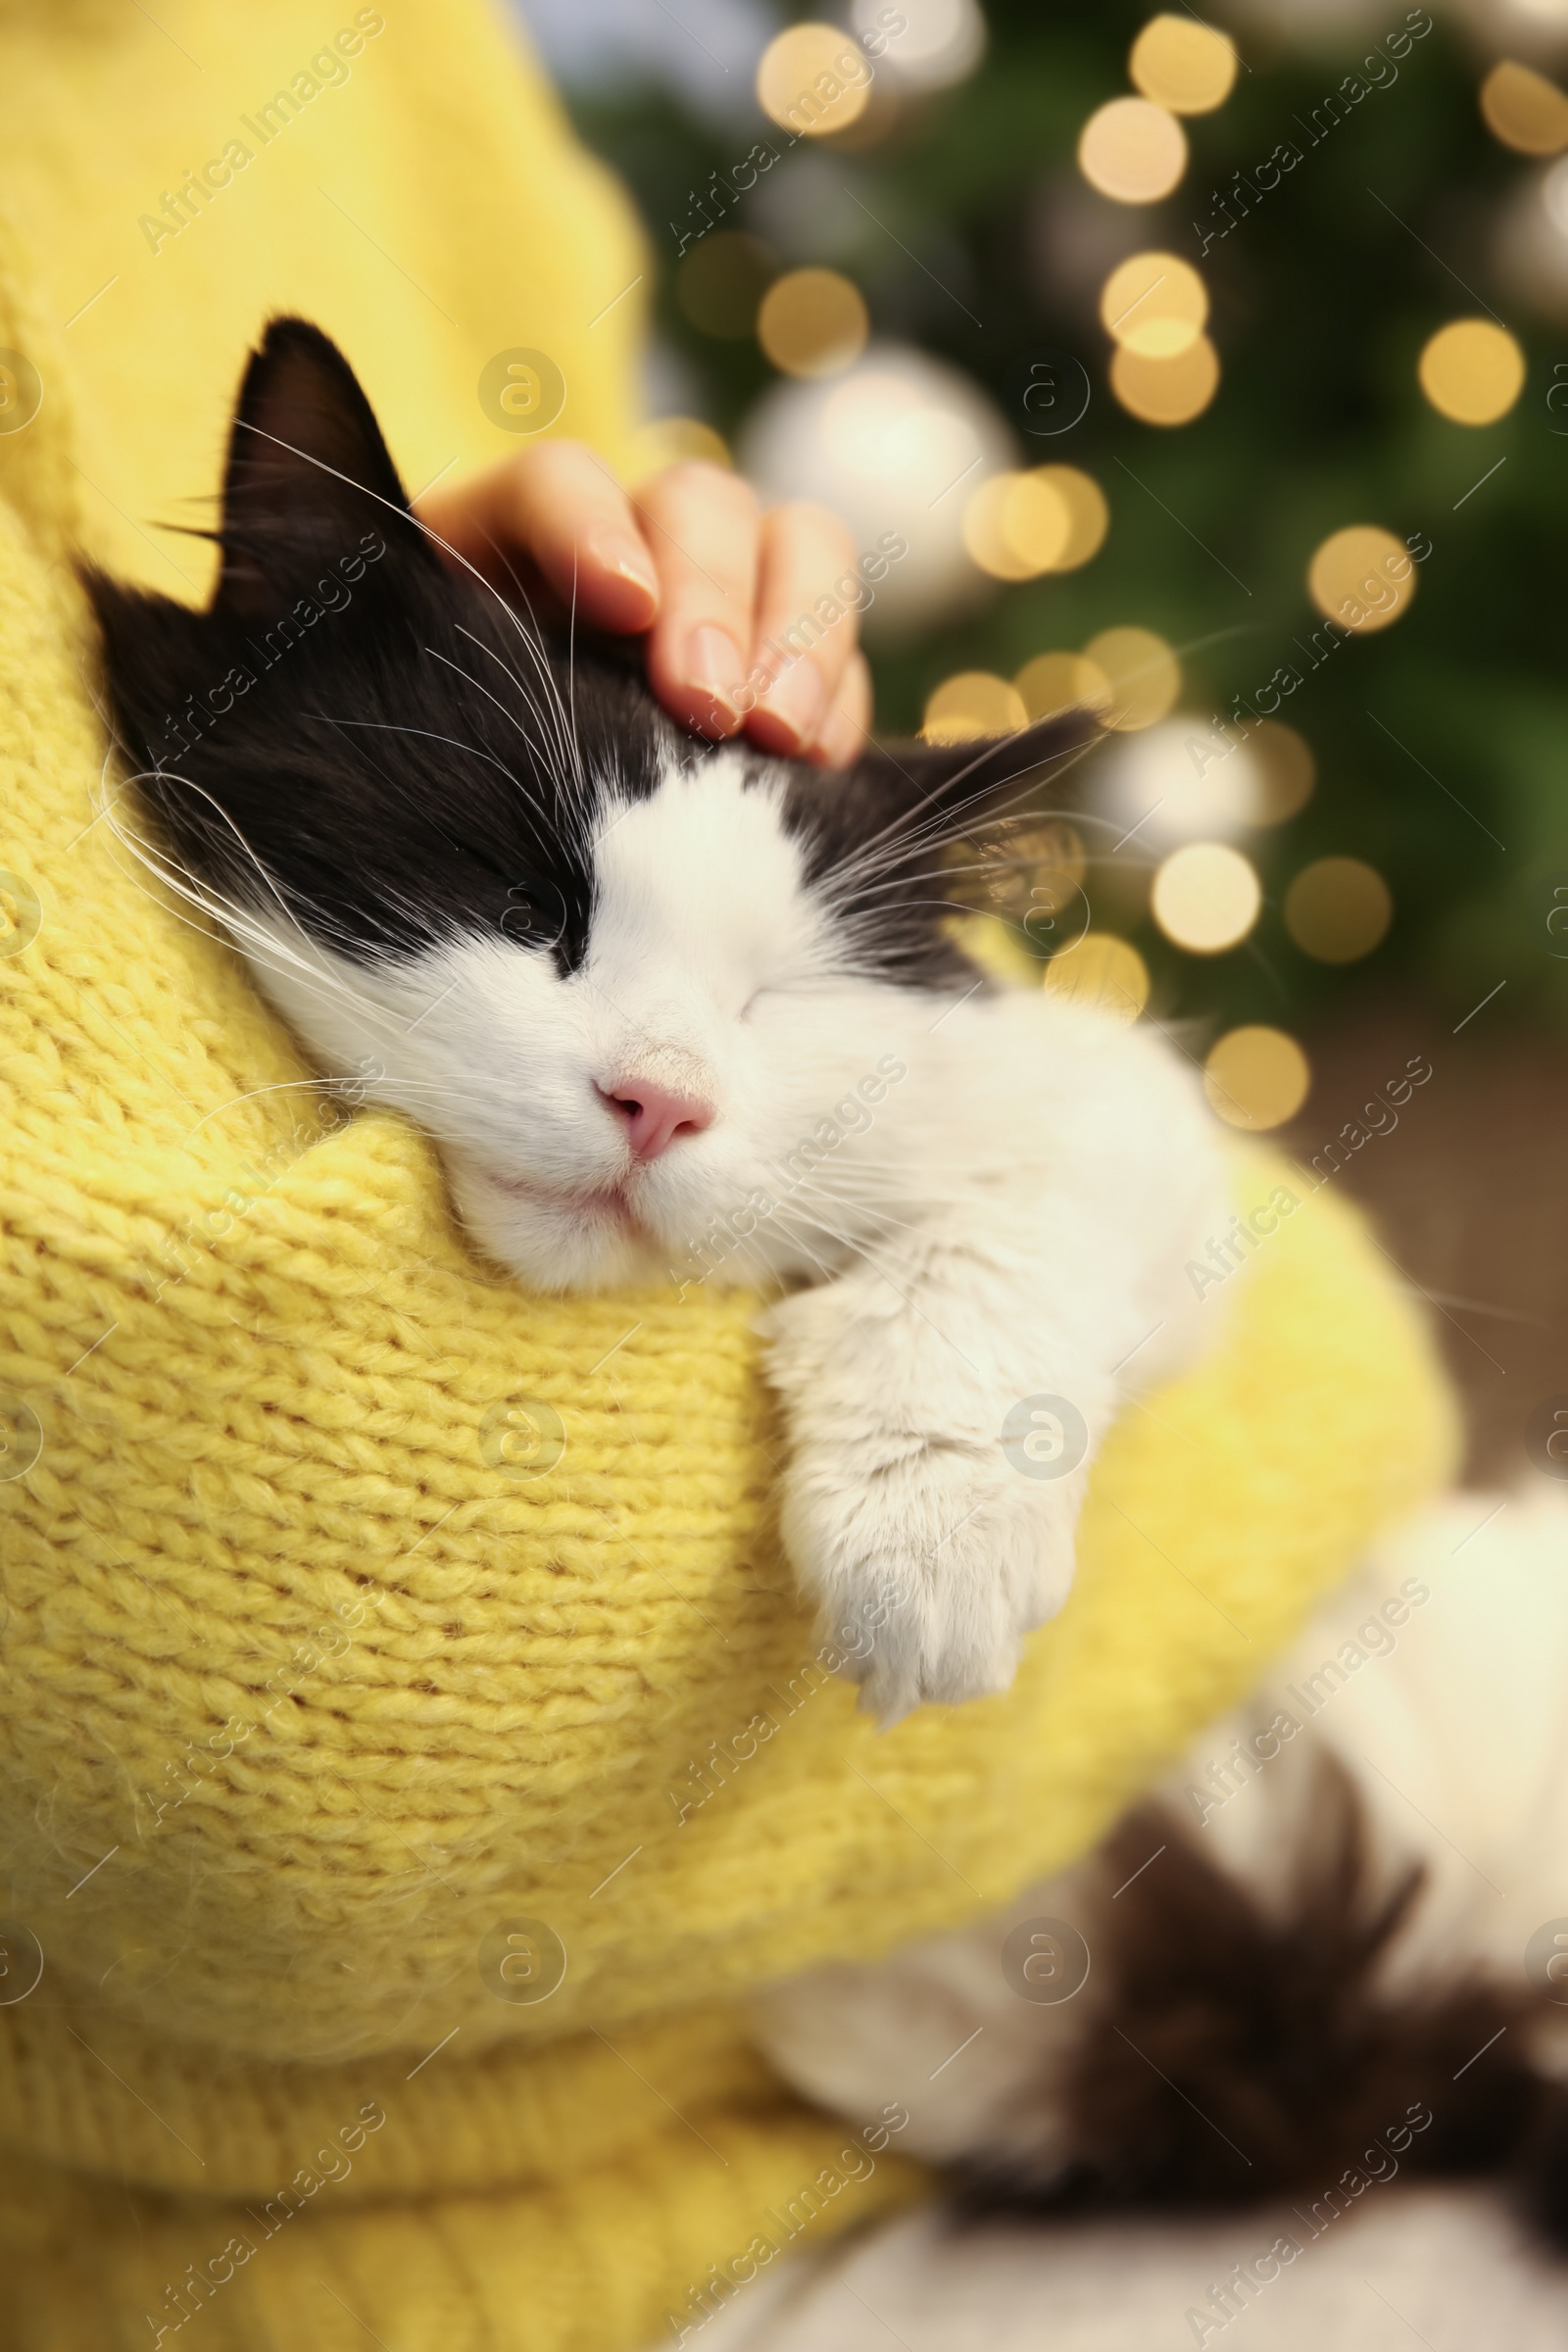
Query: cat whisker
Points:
[280, 1086]
[558, 717]
[886, 1225]
[572, 668]
[903, 839]
[392, 727]
[804, 1226]
[574, 775]
[265, 950]
[893, 859]
[571, 768]
[538, 749]
[984, 794]
[844, 1240]
[240, 921]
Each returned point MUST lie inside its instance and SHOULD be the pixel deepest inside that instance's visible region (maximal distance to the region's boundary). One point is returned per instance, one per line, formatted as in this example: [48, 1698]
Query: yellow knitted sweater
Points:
[326, 1739]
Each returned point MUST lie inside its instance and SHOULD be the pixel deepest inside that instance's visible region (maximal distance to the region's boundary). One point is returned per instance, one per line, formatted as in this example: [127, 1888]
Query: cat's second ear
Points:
[916, 795]
[990, 776]
[309, 475]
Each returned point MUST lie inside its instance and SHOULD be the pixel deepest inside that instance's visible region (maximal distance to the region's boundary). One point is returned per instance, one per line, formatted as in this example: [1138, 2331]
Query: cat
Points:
[670, 1007]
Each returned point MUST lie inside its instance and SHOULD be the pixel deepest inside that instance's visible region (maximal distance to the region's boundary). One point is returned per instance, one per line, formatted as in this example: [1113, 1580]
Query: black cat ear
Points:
[993, 775]
[901, 841]
[916, 793]
[309, 473]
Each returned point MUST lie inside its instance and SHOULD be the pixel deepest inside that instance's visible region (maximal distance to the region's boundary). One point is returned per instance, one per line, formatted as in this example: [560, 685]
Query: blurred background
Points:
[1214, 370]
[1023, 292]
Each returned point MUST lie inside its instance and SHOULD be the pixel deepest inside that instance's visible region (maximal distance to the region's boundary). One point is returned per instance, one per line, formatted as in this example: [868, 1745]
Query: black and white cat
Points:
[666, 1006]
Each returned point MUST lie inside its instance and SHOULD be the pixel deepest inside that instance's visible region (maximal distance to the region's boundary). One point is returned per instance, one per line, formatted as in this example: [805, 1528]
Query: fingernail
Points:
[617, 553]
[715, 666]
[796, 702]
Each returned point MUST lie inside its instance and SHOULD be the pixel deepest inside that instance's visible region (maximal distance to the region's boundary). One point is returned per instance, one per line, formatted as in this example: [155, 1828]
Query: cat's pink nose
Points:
[654, 1117]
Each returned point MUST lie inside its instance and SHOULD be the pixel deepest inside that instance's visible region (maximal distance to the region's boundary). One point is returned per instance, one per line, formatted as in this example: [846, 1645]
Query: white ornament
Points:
[1182, 780]
[897, 445]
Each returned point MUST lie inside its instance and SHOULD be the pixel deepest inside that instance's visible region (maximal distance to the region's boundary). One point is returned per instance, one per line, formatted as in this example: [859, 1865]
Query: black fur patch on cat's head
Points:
[367, 733]
[1241, 2053]
[352, 718]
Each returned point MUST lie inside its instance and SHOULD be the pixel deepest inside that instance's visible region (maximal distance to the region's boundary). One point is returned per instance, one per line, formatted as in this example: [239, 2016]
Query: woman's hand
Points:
[689, 559]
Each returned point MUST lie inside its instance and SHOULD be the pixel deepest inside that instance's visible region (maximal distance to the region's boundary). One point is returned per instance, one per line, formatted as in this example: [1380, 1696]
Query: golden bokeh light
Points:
[1132, 151]
[1089, 515]
[1054, 916]
[812, 79]
[1472, 371]
[1286, 770]
[973, 704]
[1338, 909]
[1101, 970]
[722, 280]
[995, 945]
[1015, 526]
[1524, 110]
[1155, 304]
[1167, 391]
[1050, 518]
[1206, 897]
[1182, 64]
[1143, 676]
[813, 322]
[1257, 1077]
[1053, 683]
[1362, 577]
[673, 441]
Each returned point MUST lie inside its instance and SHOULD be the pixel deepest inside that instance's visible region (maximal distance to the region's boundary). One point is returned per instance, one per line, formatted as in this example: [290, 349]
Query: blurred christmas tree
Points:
[1209, 272]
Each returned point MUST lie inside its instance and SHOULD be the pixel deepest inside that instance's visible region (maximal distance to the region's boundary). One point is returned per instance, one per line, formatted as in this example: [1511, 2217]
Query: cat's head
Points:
[619, 976]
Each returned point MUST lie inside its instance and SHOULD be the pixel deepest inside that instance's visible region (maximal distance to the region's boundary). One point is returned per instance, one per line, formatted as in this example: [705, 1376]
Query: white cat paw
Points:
[930, 1562]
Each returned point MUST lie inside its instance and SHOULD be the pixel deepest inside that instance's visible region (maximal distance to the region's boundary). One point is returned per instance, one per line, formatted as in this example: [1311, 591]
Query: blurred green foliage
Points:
[1322, 299]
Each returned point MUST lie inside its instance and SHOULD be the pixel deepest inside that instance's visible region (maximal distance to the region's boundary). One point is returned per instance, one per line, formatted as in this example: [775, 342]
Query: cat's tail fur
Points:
[1332, 1949]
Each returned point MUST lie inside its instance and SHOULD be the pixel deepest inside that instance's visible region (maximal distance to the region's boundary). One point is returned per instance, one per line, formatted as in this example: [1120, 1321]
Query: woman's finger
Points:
[700, 525]
[806, 627]
[560, 509]
[844, 733]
